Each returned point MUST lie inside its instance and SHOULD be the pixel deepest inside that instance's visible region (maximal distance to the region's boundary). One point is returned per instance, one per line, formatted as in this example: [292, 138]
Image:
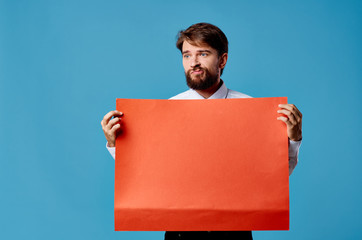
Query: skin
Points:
[194, 59]
[293, 120]
[112, 125]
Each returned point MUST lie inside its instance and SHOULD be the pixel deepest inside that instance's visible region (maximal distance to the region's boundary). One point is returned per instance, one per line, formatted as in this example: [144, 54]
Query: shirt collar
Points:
[221, 93]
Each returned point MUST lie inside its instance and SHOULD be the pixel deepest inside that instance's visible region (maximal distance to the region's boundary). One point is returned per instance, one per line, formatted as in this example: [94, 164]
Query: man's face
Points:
[202, 66]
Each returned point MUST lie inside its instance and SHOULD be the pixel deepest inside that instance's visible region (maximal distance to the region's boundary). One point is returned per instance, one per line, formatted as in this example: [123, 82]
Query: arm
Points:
[112, 126]
[293, 154]
[293, 120]
[112, 151]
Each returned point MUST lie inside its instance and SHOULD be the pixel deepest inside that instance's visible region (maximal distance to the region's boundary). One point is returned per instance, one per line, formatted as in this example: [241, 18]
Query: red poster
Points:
[201, 165]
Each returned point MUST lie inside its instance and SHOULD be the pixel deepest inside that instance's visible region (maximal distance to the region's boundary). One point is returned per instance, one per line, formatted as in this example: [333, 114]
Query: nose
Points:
[194, 62]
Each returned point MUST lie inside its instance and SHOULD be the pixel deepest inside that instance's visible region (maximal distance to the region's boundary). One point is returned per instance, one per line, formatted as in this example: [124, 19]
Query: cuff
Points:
[293, 154]
[294, 148]
[111, 150]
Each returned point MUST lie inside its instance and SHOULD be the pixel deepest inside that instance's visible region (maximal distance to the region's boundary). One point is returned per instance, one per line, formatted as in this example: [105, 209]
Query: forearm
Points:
[112, 151]
[293, 154]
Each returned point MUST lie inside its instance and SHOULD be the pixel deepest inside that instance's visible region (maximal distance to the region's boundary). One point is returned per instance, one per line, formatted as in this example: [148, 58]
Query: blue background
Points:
[63, 64]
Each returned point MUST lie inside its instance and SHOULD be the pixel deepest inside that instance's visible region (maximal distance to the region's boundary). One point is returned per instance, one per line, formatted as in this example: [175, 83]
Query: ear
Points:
[222, 60]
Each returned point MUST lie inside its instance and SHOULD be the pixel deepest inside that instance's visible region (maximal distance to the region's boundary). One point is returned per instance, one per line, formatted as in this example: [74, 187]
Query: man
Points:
[204, 49]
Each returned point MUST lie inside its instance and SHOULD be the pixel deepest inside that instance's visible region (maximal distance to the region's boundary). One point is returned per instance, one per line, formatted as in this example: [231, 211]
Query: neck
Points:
[206, 93]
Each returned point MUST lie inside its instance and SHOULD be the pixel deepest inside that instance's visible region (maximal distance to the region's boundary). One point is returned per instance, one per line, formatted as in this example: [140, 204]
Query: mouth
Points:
[197, 71]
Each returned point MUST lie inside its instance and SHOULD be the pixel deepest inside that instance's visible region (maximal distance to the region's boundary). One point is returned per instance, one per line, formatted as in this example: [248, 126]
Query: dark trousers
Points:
[213, 235]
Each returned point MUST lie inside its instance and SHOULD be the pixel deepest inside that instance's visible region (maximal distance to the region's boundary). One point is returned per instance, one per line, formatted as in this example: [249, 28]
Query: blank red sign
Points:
[201, 165]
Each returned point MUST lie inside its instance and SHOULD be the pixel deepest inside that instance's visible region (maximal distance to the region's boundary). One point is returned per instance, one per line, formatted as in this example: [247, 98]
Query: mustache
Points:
[196, 69]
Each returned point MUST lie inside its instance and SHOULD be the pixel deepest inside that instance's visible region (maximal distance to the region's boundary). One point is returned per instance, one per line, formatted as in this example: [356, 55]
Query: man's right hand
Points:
[111, 127]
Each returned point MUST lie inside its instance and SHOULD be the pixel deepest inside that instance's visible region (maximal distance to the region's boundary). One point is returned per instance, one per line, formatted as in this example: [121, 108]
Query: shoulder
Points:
[235, 94]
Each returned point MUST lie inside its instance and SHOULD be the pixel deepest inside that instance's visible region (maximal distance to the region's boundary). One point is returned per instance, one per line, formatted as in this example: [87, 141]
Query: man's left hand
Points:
[293, 119]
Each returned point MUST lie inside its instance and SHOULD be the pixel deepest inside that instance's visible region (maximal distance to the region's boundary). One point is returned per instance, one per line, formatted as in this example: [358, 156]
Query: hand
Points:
[112, 127]
[293, 119]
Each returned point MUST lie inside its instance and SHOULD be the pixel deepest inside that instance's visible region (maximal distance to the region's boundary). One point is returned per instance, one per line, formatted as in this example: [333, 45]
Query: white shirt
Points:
[222, 93]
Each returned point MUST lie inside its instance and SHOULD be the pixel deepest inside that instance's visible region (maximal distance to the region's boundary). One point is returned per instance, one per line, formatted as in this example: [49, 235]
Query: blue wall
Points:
[63, 64]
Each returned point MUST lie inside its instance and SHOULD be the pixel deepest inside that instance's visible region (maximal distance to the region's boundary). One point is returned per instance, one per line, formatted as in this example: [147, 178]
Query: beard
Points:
[202, 81]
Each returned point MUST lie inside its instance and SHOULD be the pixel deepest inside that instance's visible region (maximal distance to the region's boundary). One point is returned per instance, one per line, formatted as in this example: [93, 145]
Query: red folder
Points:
[201, 165]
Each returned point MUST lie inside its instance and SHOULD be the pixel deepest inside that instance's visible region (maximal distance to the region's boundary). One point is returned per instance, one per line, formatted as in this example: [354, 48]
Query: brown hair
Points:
[204, 33]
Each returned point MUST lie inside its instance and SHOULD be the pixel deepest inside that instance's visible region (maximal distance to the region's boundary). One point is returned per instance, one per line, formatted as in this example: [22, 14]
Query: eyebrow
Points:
[199, 51]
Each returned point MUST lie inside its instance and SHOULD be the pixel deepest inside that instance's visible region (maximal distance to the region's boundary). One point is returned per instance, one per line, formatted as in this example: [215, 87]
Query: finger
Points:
[285, 119]
[292, 108]
[109, 115]
[115, 128]
[290, 115]
[112, 122]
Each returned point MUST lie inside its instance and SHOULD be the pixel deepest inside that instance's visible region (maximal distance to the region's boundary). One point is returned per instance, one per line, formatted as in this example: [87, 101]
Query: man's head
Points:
[204, 48]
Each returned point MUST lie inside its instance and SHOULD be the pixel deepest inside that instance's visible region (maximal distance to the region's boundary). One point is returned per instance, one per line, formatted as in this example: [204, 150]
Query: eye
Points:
[203, 54]
[186, 56]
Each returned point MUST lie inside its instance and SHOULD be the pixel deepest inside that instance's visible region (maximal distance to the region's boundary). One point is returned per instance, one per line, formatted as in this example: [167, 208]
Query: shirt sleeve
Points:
[293, 154]
[111, 150]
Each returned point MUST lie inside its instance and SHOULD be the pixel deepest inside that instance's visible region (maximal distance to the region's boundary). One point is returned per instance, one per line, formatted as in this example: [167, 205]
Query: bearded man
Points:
[204, 49]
